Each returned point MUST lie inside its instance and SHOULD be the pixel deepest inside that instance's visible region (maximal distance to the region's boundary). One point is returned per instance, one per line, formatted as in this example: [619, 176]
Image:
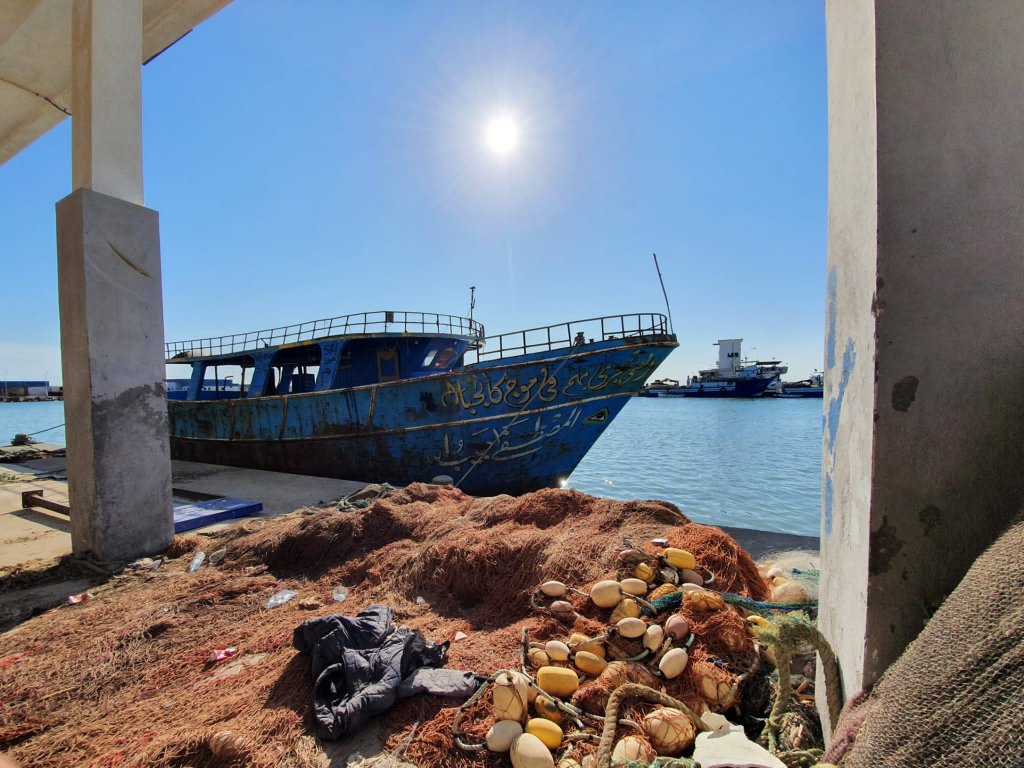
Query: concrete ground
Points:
[28, 535]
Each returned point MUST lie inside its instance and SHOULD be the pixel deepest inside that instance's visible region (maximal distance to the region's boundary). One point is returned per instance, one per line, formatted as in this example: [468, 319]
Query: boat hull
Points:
[793, 392]
[725, 388]
[507, 427]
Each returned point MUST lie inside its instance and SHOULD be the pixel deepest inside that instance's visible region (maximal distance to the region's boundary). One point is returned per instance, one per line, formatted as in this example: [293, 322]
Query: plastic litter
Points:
[460, 636]
[340, 593]
[659, 542]
[80, 598]
[219, 654]
[196, 562]
[217, 556]
[420, 600]
[729, 746]
[280, 598]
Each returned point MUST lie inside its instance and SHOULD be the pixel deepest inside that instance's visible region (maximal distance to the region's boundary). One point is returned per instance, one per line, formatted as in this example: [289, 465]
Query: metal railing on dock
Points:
[355, 324]
[561, 335]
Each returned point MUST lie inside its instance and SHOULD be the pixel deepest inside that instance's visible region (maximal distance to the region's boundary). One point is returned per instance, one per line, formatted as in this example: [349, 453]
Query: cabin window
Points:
[387, 365]
[429, 358]
[444, 358]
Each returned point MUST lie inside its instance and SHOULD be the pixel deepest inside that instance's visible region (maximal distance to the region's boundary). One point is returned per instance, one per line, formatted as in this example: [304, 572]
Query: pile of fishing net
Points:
[133, 676]
[954, 696]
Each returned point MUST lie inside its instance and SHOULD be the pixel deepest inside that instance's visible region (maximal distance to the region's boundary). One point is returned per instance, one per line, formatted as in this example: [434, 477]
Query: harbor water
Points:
[743, 463]
[736, 462]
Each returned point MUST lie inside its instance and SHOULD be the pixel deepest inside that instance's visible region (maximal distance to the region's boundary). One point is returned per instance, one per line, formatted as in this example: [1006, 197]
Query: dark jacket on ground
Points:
[359, 664]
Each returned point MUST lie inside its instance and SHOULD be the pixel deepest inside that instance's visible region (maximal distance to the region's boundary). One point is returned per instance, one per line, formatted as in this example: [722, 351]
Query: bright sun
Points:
[501, 135]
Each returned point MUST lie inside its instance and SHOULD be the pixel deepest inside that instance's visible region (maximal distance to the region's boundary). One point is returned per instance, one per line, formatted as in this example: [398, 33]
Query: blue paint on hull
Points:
[506, 426]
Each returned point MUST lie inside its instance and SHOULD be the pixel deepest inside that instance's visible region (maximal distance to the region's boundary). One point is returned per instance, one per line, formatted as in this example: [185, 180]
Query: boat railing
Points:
[384, 321]
[570, 334]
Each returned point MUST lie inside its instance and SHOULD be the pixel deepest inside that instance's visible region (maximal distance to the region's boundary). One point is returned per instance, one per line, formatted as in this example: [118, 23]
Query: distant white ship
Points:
[733, 377]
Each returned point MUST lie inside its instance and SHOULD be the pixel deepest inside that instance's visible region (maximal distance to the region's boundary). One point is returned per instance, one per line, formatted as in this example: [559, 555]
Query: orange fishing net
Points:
[126, 678]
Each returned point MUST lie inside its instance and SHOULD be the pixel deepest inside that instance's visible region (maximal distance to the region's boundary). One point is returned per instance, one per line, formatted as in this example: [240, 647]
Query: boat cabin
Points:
[336, 353]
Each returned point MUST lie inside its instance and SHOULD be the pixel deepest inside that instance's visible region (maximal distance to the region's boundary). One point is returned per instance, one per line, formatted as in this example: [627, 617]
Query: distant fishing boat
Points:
[812, 386]
[389, 396]
[733, 377]
[659, 388]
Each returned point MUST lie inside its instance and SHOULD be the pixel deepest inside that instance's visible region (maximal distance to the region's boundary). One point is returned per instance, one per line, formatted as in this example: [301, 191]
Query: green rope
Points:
[787, 635]
[673, 600]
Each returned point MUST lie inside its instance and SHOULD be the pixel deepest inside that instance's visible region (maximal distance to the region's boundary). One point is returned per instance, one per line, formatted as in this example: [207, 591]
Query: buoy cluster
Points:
[531, 711]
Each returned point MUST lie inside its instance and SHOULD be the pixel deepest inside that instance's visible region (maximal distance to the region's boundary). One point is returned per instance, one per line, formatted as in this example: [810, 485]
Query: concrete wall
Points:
[924, 401]
[849, 399]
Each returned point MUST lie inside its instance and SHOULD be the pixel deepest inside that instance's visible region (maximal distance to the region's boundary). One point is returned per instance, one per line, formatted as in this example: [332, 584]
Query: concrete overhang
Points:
[35, 59]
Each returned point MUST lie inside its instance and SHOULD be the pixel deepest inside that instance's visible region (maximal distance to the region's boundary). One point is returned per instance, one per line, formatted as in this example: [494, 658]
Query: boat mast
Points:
[668, 309]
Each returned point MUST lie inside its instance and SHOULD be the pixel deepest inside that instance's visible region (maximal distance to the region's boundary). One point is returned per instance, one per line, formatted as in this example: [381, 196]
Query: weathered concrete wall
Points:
[111, 318]
[924, 451]
[850, 332]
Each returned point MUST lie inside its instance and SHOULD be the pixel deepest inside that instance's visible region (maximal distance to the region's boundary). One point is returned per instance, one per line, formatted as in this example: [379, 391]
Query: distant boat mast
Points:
[668, 309]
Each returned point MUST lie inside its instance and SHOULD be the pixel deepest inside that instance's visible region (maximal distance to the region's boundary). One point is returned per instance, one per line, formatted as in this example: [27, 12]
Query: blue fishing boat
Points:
[407, 396]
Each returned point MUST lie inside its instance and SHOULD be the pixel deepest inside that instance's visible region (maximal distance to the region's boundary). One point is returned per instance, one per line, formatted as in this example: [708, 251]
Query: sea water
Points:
[744, 463]
[32, 417]
[748, 463]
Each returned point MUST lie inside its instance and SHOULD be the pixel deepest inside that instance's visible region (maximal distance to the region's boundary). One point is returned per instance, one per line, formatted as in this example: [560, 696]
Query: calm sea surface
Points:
[745, 463]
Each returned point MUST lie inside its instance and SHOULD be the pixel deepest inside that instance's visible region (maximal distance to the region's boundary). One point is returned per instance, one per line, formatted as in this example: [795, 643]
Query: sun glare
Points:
[501, 135]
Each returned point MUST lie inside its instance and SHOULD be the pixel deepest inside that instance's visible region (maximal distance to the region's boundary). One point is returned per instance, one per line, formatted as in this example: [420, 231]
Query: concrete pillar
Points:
[106, 97]
[111, 324]
[111, 307]
[924, 385]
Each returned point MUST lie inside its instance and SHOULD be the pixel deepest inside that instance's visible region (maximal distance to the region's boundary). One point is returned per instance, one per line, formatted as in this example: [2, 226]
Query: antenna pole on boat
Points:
[668, 309]
[472, 300]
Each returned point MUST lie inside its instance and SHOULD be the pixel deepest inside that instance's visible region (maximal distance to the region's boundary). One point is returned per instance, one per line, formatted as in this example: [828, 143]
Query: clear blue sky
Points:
[318, 158]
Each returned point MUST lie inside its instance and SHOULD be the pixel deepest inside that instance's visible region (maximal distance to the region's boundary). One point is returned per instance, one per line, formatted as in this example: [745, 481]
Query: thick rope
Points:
[786, 637]
[611, 715]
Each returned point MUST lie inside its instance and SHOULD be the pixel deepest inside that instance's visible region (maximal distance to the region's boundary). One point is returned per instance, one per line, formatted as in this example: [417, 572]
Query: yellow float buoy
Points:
[546, 708]
[579, 642]
[537, 657]
[703, 601]
[644, 572]
[545, 730]
[557, 681]
[589, 663]
[679, 558]
[627, 608]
